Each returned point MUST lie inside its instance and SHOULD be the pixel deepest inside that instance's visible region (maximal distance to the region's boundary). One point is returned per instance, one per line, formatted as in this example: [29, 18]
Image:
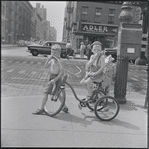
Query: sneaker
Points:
[65, 109]
[39, 111]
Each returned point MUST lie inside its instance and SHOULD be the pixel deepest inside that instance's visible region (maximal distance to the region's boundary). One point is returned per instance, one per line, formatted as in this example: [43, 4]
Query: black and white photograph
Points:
[74, 74]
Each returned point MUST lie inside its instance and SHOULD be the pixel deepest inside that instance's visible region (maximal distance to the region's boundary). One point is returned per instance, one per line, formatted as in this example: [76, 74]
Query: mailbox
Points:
[130, 37]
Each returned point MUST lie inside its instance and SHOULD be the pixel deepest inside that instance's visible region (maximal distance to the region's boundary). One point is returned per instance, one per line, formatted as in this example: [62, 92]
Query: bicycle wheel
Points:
[106, 108]
[53, 107]
[96, 95]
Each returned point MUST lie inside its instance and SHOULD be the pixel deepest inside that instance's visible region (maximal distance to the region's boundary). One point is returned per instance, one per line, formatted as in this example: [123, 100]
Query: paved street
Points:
[22, 80]
[21, 72]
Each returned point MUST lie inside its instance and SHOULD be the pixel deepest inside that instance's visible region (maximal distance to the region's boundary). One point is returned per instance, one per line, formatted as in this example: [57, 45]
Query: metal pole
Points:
[122, 61]
[147, 93]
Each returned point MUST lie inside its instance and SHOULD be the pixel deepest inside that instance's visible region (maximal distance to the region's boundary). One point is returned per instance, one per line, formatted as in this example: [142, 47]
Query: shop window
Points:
[84, 14]
[98, 15]
[111, 16]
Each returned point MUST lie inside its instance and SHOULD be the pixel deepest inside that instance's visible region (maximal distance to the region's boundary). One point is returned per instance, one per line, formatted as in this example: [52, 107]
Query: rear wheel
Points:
[106, 108]
[96, 96]
[34, 52]
[53, 107]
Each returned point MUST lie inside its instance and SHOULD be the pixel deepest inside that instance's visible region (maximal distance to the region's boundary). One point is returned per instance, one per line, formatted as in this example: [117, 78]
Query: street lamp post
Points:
[122, 60]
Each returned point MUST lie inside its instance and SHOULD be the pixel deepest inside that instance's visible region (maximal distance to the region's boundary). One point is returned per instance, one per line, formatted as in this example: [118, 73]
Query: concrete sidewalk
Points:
[78, 128]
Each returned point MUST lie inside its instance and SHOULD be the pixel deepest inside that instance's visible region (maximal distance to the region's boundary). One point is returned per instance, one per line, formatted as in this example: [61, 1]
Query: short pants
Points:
[48, 89]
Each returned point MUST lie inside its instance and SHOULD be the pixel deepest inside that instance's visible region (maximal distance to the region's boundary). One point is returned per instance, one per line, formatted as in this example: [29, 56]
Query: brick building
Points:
[16, 20]
[91, 21]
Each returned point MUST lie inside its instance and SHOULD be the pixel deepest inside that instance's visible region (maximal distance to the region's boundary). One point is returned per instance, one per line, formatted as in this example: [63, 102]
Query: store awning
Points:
[93, 33]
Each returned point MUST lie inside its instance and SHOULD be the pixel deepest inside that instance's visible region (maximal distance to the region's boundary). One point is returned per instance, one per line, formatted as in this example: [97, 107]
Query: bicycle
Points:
[105, 107]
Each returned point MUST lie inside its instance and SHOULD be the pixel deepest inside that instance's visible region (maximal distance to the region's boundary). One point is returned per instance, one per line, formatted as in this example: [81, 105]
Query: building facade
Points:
[52, 34]
[43, 29]
[16, 20]
[91, 21]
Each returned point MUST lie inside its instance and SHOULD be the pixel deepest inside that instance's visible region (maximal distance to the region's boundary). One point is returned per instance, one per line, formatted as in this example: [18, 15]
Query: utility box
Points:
[129, 41]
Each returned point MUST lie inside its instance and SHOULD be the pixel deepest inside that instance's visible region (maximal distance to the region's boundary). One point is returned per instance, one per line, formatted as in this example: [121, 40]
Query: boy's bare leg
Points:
[65, 109]
[82, 82]
[88, 87]
[45, 98]
[41, 109]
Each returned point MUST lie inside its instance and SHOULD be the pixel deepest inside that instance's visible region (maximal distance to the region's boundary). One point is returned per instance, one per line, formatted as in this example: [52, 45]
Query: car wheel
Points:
[133, 61]
[34, 52]
[63, 55]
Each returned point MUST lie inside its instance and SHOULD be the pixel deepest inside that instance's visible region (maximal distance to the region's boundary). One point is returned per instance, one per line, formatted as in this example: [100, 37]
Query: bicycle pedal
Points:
[80, 107]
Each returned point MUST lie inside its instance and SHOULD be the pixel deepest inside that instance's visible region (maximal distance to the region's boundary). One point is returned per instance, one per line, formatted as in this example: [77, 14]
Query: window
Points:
[111, 16]
[48, 44]
[3, 9]
[98, 14]
[84, 14]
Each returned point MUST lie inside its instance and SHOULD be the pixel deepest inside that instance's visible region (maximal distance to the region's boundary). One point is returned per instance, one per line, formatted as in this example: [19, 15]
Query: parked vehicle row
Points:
[23, 43]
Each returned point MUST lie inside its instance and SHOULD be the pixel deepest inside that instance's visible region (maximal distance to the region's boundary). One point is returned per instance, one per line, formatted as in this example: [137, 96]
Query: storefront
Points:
[90, 32]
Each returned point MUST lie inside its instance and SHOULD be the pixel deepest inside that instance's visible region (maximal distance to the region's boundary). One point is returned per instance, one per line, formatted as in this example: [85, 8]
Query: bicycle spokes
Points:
[106, 108]
[53, 107]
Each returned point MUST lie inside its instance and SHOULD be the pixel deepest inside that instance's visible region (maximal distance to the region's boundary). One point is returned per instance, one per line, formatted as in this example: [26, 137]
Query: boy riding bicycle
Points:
[94, 69]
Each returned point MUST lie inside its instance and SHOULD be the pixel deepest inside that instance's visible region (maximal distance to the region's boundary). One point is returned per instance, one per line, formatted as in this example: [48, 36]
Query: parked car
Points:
[113, 52]
[45, 48]
[23, 43]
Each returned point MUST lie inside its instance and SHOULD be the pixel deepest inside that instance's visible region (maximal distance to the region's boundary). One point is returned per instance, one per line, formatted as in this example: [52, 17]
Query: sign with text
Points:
[99, 28]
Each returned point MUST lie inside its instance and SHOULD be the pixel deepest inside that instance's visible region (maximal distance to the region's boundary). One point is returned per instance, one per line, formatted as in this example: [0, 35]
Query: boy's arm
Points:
[102, 65]
[47, 62]
[90, 62]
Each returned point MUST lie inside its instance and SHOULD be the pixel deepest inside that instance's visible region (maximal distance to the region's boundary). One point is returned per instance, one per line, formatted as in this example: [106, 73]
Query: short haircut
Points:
[56, 47]
[98, 47]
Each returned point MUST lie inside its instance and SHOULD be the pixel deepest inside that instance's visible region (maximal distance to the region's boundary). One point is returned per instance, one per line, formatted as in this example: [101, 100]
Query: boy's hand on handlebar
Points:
[51, 82]
[90, 74]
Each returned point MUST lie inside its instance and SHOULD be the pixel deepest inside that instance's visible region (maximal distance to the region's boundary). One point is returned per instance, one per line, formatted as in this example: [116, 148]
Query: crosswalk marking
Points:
[24, 62]
[33, 72]
[22, 71]
[11, 70]
[134, 79]
[17, 62]
[144, 79]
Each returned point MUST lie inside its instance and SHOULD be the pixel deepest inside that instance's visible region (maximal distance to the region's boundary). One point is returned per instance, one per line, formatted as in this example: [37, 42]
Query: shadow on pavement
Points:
[114, 122]
[72, 118]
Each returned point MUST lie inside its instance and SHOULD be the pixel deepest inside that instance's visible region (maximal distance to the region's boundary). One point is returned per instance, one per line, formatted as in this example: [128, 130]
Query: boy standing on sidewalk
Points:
[55, 77]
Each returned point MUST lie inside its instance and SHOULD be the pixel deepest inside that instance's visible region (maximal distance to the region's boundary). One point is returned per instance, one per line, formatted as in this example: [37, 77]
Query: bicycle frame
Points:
[73, 91]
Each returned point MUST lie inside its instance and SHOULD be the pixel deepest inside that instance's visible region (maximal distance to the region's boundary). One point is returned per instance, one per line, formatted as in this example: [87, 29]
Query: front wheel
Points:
[106, 108]
[34, 52]
[95, 97]
[53, 107]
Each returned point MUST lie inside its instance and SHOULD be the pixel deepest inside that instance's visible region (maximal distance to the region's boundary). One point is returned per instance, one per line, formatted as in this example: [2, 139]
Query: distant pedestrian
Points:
[3, 40]
[89, 51]
[69, 49]
[82, 49]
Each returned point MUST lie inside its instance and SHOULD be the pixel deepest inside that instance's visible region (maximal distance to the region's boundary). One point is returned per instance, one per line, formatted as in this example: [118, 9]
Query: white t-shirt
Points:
[68, 45]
